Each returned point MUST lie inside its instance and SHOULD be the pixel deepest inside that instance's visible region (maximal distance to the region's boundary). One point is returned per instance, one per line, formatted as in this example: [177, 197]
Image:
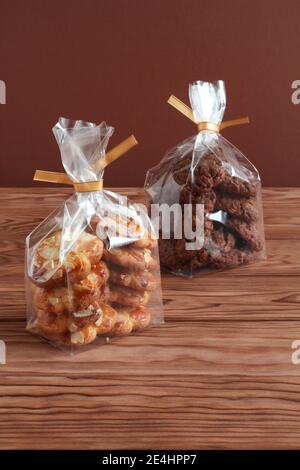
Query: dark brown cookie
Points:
[209, 172]
[243, 208]
[172, 259]
[247, 231]
[233, 185]
[182, 170]
[192, 194]
[232, 258]
[220, 242]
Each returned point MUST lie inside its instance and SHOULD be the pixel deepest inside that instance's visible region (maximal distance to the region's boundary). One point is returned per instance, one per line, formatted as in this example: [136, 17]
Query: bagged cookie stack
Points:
[91, 273]
[133, 272]
[69, 300]
[207, 171]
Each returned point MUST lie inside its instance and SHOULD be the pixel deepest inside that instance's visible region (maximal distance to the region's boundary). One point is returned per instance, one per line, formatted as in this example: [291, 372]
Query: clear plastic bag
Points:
[92, 266]
[208, 171]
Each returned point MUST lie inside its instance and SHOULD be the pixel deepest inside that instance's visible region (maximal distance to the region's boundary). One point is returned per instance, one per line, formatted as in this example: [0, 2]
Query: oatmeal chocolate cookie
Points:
[139, 280]
[128, 297]
[236, 186]
[173, 255]
[232, 258]
[131, 258]
[167, 253]
[221, 241]
[209, 172]
[182, 169]
[192, 194]
[242, 208]
[246, 231]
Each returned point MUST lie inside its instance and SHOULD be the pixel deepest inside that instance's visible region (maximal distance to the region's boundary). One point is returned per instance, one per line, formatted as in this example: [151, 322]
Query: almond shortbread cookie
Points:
[129, 320]
[132, 258]
[128, 297]
[61, 299]
[50, 266]
[139, 280]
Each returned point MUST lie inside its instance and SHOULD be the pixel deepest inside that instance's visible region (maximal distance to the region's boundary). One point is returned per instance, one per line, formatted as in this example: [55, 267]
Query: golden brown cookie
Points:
[140, 317]
[139, 280]
[108, 320]
[83, 336]
[131, 258]
[129, 297]
[129, 320]
[123, 325]
[61, 299]
[148, 240]
[49, 324]
[94, 280]
[117, 225]
[51, 266]
[55, 301]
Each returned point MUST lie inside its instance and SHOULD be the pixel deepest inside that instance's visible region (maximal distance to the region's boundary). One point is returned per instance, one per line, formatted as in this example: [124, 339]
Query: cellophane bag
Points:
[207, 171]
[92, 266]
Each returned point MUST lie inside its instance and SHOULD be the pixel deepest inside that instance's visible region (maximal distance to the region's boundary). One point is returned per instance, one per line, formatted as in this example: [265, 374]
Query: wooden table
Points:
[218, 374]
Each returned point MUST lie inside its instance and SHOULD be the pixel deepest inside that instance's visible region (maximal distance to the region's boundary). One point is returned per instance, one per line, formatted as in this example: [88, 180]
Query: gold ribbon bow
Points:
[87, 186]
[204, 126]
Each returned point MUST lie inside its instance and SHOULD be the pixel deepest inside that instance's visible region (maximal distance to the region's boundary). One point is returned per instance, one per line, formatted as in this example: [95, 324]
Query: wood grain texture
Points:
[218, 374]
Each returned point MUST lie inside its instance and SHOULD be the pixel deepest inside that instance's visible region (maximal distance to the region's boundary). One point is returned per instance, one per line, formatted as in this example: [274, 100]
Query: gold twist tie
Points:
[204, 126]
[87, 186]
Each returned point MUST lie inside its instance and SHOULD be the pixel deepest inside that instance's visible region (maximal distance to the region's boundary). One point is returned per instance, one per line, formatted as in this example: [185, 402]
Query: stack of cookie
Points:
[70, 300]
[131, 282]
[232, 230]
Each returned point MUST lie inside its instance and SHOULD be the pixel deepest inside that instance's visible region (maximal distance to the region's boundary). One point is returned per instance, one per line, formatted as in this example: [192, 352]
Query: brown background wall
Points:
[119, 60]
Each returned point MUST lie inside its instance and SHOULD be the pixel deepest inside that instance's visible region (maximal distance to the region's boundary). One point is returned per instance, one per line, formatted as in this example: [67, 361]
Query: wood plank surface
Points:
[217, 374]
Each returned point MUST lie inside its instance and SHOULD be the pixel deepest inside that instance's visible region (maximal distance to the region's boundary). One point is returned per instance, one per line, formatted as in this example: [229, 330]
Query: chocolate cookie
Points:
[182, 170]
[209, 172]
[236, 186]
[192, 194]
[232, 258]
[247, 232]
[243, 208]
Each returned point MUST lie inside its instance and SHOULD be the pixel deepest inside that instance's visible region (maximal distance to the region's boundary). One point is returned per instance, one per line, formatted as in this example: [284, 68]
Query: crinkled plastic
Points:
[207, 171]
[92, 266]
